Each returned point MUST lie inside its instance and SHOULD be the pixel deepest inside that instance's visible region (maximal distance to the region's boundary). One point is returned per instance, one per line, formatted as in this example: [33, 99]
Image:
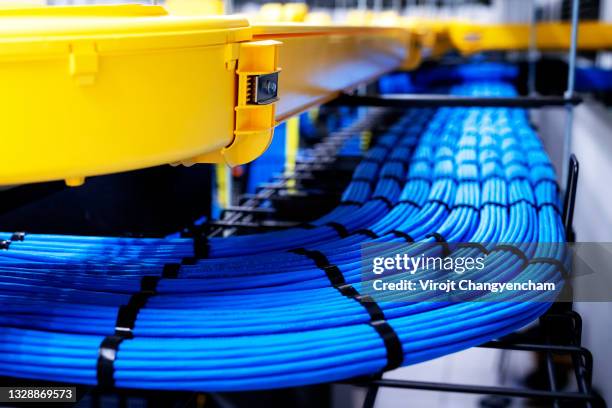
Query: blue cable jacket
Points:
[255, 316]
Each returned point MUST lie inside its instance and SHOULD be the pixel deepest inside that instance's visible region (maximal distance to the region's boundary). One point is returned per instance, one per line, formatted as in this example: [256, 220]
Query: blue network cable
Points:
[261, 311]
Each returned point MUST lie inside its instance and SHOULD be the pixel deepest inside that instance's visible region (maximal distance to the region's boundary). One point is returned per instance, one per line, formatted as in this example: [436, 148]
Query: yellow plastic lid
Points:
[118, 10]
[114, 27]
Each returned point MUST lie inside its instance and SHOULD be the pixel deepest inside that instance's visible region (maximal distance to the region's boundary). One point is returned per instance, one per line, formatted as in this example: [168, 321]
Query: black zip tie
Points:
[403, 235]
[366, 232]
[366, 180]
[124, 324]
[493, 159]
[446, 251]
[351, 202]
[18, 236]
[189, 260]
[417, 160]
[537, 183]
[469, 180]
[332, 271]
[476, 245]
[397, 161]
[105, 367]
[516, 162]
[411, 202]
[442, 203]
[469, 162]
[551, 261]
[307, 225]
[469, 206]
[398, 180]
[553, 206]
[201, 247]
[537, 207]
[385, 200]
[543, 164]
[442, 157]
[519, 178]
[340, 229]
[493, 204]
[522, 200]
[419, 178]
[515, 251]
[378, 320]
[171, 270]
[372, 159]
[5, 244]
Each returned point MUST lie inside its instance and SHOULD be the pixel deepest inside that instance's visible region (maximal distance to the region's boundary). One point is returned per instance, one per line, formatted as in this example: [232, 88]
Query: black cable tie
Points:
[366, 180]
[201, 247]
[519, 178]
[468, 162]
[494, 204]
[469, 206]
[543, 164]
[333, 273]
[189, 260]
[307, 225]
[371, 159]
[105, 366]
[398, 180]
[393, 345]
[5, 244]
[551, 261]
[446, 251]
[349, 291]
[516, 162]
[366, 232]
[171, 270]
[419, 178]
[411, 202]
[546, 180]
[522, 200]
[124, 325]
[127, 314]
[18, 236]
[515, 251]
[442, 203]
[470, 180]
[391, 341]
[553, 206]
[397, 161]
[385, 200]
[493, 159]
[403, 235]
[340, 229]
[351, 202]
[476, 245]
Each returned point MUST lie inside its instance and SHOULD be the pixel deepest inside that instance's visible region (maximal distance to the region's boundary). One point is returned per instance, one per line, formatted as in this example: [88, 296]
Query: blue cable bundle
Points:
[424, 79]
[282, 309]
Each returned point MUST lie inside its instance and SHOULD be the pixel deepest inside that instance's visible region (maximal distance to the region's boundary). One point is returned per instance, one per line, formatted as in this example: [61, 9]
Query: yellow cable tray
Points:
[103, 89]
[100, 89]
[318, 62]
[470, 38]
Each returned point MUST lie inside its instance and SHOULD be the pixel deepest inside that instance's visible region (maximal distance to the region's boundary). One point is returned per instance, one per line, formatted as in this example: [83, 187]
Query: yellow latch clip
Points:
[257, 92]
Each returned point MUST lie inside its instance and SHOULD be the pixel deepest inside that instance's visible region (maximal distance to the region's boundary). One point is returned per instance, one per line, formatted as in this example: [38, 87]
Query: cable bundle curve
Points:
[283, 309]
